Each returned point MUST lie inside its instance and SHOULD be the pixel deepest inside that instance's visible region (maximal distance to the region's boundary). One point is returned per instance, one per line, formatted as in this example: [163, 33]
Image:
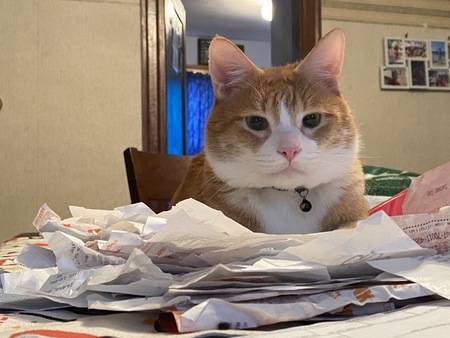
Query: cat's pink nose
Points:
[289, 152]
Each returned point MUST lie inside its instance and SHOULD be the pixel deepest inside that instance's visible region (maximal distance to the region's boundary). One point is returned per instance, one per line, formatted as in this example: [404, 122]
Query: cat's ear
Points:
[326, 59]
[228, 67]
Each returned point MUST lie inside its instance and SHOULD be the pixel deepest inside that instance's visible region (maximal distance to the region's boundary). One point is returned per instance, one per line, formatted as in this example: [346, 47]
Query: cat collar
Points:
[305, 205]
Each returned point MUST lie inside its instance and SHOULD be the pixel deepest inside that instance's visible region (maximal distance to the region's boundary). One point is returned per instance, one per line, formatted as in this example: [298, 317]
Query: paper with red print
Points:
[193, 258]
[429, 192]
[428, 230]
[209, 314]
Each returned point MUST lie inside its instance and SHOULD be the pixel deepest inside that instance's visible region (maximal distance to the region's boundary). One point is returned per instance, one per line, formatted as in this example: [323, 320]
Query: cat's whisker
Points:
[307, 95]
[256, 91]
[334, 164]
[211, 183]
[332, 168]
[307, 86]
[312, 90]
[369, 157]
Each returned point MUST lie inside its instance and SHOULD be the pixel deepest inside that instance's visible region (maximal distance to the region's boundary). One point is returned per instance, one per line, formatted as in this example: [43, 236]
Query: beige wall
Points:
[70, 86]
[408, 130]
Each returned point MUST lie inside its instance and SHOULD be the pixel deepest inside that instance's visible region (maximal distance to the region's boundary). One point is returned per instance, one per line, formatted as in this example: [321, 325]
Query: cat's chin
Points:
[287, 179]
[290, 173]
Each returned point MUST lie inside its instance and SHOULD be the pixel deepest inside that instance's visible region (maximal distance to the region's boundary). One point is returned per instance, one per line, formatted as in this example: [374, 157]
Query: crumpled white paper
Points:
[209, 269]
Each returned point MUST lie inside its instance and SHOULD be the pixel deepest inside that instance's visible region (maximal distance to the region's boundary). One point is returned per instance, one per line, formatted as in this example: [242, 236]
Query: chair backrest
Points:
[154, 178]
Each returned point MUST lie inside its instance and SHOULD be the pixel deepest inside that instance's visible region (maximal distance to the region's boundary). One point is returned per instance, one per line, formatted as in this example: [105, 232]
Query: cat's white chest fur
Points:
[279, 211]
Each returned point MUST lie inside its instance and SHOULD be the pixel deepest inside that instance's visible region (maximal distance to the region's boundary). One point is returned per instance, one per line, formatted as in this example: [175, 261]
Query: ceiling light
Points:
[266, 10]
[170, 10]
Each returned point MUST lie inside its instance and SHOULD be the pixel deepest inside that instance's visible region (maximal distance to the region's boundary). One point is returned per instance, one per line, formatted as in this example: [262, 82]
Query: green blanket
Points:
[386, 182]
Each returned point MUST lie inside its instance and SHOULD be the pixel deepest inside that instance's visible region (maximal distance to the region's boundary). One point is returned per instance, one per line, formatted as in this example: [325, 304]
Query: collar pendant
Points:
[305, 205]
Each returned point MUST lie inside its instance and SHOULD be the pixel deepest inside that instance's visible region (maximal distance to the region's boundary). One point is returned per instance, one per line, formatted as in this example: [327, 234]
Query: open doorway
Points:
[302, 33]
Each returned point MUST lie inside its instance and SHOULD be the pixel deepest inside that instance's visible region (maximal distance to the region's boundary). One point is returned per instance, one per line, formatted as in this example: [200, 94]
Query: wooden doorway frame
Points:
[310, 25]
[153, 78]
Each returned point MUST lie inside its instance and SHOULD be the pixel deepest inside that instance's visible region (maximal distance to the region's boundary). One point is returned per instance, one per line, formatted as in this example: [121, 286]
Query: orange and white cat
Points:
[280, 144]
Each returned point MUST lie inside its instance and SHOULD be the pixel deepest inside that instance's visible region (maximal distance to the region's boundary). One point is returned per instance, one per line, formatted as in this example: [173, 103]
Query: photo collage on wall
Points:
[416, 64]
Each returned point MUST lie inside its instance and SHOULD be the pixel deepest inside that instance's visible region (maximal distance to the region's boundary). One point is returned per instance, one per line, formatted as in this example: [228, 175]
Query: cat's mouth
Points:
[291, 172]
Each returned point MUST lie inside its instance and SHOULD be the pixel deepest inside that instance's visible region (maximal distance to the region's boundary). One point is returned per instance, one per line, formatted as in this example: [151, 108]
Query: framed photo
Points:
[448, 53]
[438, 79]
[418, 74]
[438, 54]
[394, 50]
[203, 47]
[394, 77]
[416, 49]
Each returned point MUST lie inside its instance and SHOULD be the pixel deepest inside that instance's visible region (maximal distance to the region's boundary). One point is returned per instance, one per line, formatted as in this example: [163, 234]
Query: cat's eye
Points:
[312, 120]
[257, 123]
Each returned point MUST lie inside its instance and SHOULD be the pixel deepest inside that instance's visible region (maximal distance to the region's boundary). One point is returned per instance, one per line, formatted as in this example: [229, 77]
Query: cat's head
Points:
[281, 126]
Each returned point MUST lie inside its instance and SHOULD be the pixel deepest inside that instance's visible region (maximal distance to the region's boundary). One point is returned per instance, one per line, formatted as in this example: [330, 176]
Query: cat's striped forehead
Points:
[284, 95]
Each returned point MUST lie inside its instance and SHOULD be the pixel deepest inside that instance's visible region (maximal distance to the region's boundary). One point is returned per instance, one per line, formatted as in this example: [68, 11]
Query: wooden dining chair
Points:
[154, 178]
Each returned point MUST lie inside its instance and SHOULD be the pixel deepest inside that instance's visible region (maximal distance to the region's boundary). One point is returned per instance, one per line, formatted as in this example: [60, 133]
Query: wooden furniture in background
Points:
[154, 178]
